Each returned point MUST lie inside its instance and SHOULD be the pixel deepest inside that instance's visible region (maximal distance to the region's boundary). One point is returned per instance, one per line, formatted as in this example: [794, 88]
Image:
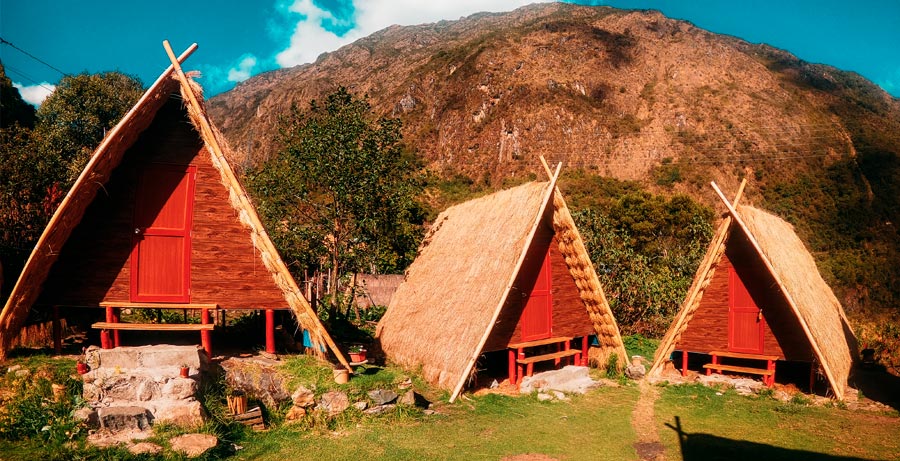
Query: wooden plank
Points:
[555, 355]
[741, 355]
[540, 342]
[545, 202]
[755, 371]
[130, 305]
[152, 326]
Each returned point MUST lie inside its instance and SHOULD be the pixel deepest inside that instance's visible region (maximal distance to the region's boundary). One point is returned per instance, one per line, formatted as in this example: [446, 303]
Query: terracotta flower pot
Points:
[184, 372]
[358, 356]
[81, 368]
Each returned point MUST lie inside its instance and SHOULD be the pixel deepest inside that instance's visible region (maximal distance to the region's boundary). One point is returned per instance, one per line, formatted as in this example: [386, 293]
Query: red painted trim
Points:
[270, 331]
[206, 335]
[191, 171]
[512, 367]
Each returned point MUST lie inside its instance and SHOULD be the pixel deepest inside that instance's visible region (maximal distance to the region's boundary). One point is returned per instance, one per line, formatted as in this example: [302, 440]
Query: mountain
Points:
[631, 95]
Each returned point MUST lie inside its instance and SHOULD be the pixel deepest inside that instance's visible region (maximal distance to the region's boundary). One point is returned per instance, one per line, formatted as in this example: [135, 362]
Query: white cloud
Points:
[244, 69]
[310, 38]
[35, 94]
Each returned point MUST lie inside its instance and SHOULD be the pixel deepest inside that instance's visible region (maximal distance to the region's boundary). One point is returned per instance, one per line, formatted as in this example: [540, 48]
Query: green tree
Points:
[76, 116]
[340, 196]
[646, 248]
[13, 109]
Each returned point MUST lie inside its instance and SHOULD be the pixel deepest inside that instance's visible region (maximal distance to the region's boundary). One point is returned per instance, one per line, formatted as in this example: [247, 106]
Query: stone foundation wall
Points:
[146, 377]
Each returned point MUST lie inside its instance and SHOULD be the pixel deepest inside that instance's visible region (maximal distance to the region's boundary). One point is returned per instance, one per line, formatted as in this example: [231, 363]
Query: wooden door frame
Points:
[191, 171]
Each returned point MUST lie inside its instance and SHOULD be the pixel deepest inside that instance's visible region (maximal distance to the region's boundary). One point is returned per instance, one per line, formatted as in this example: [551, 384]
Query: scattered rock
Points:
[124, 418]
[193, 445]
[88, 416]
[185, 413]
[494, 384]
[303, 397]
[22, 373]
[382, 396]
[379, 409]
[636, 371]
[179, 388]
[105, 438]
[409, 398]
[334, 402]
[429, 412]
[542, 397]
[559, 395]
[361, 405]
[145, 448]
[295, 413]
[14, 368]
[405, 384]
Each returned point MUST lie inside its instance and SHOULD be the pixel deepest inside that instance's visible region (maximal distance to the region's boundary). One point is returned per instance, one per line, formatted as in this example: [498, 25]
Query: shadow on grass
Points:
[877, 384]
[703, 447]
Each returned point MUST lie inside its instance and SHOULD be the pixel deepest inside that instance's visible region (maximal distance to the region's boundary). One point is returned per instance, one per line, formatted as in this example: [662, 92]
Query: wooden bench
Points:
[113, 313]
[767, 373]
[518, 358]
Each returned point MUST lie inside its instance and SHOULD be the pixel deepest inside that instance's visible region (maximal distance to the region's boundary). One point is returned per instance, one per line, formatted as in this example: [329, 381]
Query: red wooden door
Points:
[746, 325]
[537, 317]
[161, 252]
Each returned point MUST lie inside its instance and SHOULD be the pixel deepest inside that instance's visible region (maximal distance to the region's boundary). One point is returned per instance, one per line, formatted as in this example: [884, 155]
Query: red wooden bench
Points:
[518, 357]
[112, 322]
[768, 373]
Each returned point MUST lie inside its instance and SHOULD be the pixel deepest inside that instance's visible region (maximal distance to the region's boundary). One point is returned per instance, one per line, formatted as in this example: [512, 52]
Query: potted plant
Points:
[357, 353]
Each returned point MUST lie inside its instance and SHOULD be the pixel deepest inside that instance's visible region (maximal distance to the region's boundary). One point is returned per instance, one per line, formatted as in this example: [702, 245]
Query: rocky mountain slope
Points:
[616, 91]
[627, 95]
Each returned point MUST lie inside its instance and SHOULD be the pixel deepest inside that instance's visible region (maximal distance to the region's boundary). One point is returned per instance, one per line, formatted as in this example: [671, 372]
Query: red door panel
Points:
[537, 317]
[160, 258]
[746, 325]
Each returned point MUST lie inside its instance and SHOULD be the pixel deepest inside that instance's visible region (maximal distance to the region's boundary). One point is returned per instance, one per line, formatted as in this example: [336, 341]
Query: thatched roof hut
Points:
[465, 293]
[375, 289]
[164, 153]
[757, 257]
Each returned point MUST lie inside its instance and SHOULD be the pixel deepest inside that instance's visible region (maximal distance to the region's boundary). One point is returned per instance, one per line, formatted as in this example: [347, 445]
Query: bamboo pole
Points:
[838, 392]
[512, 279]
[247, 205]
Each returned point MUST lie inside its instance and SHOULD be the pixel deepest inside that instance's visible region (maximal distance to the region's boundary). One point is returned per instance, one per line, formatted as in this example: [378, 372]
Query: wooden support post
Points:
[270, 331]
[105, 338]
[206, 335]
[512, 367]
[812, 377]
[684, 363]
[715, 361]
[556, 360]
[57, 332]
[184, 313]
[770, 365]
[519, 374]
[584, 351]
[224, 320]
[116, 316]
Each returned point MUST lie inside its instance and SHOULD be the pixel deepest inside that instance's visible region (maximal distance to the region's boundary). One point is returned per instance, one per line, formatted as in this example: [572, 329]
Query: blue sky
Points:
[242, 38]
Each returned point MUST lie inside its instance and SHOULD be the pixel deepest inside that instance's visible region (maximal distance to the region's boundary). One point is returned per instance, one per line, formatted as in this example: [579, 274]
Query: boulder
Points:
[571, 379]
[303, 397]
[179, 388]
[258, 380]
[88, 416]
[145, 448]
[185, 413]
[334, 402]
[382, 396]
[636, 371]
[295, 413]
[193, 445]
[124, 418]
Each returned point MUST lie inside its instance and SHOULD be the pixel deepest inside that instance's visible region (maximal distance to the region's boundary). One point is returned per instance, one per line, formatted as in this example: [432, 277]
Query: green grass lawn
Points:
[733, 427]
[595, 426]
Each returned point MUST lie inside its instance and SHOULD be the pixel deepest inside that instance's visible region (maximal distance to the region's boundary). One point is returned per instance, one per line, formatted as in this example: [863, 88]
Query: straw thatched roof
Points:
[793, 269]
[376, 289]
[97, 172]
[441, 316]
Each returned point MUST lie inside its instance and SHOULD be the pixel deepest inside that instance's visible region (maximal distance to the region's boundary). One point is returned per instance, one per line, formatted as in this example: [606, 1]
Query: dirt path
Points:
[648, 446]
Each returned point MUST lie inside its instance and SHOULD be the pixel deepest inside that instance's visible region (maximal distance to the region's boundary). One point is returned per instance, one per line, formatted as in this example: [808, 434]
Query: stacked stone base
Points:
[132, 387]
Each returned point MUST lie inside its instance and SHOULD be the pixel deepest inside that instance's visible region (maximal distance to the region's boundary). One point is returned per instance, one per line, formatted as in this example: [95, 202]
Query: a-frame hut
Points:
[759, 294]
[497, 273]
[158, 218]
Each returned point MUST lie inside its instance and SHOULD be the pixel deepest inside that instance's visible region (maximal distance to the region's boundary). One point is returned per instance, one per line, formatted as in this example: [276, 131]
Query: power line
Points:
[27, 77]
[5, 42]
